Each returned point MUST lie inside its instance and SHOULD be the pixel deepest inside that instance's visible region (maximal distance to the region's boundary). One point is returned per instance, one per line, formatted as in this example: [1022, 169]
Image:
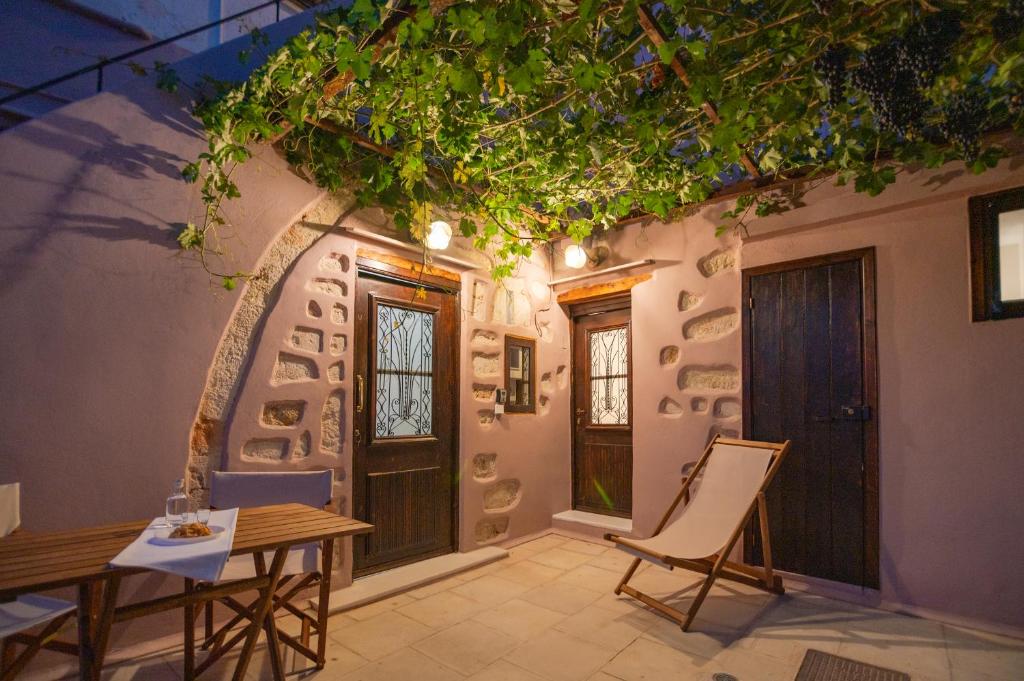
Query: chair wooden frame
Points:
[717, 565]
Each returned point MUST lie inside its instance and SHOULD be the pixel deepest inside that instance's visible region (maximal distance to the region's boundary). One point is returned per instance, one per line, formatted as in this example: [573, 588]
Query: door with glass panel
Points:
[602, 409]
[404, 420]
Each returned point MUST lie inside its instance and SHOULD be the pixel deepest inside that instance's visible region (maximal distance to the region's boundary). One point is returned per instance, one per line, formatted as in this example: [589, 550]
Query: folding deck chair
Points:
[698, 533]
[303, 568]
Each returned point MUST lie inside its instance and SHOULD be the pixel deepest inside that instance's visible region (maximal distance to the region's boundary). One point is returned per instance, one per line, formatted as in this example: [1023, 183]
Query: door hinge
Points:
[750, 303]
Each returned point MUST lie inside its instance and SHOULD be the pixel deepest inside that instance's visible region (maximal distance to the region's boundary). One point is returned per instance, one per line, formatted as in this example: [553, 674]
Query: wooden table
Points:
[39, 562]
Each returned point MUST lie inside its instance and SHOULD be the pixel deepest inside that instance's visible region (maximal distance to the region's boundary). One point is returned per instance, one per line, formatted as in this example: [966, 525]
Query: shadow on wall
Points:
[99, 153]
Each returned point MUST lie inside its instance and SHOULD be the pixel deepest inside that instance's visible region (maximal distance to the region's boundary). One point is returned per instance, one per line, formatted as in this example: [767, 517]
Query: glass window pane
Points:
[609, 377]
[1011, 255]
[404, 372]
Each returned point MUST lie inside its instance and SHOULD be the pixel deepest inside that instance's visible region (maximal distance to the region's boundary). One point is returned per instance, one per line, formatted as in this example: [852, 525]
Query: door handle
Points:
[579, 416]
[855, 412]
[360, 396]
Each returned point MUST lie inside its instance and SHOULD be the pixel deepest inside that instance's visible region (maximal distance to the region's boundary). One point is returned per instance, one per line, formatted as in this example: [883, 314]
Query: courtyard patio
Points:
[547, 612]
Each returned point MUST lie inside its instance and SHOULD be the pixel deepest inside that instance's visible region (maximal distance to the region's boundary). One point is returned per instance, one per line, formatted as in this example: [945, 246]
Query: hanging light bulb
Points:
[439, 234]
[575, 256]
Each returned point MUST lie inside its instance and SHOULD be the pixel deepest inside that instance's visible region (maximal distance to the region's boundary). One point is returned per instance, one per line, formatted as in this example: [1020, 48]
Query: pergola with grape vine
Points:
[549, 118]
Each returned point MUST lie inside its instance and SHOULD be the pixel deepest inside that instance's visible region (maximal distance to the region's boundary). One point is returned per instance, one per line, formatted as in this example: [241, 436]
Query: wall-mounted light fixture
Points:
[577, 257]
[439, 235]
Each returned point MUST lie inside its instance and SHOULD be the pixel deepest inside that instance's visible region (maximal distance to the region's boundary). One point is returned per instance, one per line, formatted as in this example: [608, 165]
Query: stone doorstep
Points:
[590, 524]
[390, 582]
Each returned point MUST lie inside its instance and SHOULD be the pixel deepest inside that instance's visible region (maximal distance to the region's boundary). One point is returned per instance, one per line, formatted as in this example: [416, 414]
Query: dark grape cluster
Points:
[895, 98]
[831, 67]
[925, 47]
[824, 7]
[963, 120]
[1008, 21]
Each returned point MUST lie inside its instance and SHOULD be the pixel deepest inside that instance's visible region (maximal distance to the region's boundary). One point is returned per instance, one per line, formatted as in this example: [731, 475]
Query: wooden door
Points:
[810, 376]
[404, 421]
[602, 409]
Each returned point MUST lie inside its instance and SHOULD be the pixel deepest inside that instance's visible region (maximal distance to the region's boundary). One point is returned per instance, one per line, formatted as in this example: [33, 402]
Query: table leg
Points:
[86, 605]
[263, 608]
[104, 623]
[326, 568]
[189, 664]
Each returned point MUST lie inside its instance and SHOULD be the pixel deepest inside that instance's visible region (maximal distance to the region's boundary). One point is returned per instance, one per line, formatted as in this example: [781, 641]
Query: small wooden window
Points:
[520, 375]
[997, 255]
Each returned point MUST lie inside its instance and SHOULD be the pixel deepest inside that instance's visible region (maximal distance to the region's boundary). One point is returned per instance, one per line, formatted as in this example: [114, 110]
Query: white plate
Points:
[163, 537]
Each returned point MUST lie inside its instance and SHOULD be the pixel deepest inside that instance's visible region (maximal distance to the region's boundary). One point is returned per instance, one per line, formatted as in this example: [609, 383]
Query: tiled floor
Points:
[548, 613]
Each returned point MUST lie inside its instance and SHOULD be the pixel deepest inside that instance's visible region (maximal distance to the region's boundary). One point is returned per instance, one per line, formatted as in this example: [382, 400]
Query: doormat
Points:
[819, 666]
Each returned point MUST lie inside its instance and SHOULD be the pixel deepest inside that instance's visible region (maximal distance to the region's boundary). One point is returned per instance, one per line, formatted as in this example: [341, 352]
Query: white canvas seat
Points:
[302, 566]
[703, 523]
[245, 490]
[30, 610]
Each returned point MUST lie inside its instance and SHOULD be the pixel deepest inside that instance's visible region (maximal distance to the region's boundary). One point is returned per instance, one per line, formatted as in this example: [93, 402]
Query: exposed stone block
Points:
[486, 417]
[718, 261]
[712, 325]
[335, 262]
[670, 408]
[547, 383]
[329, 287]
[265, 449]
[562, 376]
[485, 466]
[301, 450]
[727, 408]
[484, 337]
[724, 432]
[313, 310]
[688, 301]
[330, 423]
[291, 368]
[339, 313]
[669, 355]
[307, 339]
[336, 372]
[714, 378]
[286, 413]
[699, 404]
[486, 364]
[502, 496]
[489, 530]
[338, 343]
[483, 391]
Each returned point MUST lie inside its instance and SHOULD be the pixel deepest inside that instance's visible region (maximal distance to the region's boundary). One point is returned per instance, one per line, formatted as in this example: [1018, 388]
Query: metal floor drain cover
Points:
[819, 666]
[722, 676]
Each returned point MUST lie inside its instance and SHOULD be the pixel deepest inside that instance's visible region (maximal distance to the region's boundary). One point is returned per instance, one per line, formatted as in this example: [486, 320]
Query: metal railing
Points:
[110, 61]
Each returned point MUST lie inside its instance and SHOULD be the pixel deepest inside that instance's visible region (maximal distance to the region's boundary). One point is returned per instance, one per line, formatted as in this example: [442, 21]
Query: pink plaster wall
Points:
[951, 401]
[107, 336]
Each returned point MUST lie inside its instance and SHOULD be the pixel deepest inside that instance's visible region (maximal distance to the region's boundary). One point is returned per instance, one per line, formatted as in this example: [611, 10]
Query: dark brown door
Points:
[602, 409]
[809, 376]
[403, 477]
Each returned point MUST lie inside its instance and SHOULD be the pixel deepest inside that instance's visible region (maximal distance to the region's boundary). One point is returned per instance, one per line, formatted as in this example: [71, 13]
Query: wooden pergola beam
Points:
[658, 37]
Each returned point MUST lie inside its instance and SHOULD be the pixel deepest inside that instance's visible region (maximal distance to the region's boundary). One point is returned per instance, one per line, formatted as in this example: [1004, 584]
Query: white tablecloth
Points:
[202, 560]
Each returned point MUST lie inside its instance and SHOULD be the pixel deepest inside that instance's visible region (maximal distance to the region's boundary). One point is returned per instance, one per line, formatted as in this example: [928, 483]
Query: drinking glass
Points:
[203, 516]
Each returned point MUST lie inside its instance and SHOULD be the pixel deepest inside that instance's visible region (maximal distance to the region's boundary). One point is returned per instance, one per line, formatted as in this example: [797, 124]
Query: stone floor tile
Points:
[435, 587]
[382, 635]
[338, 621]
[646, 660]
[616, 560]
[467, 647]
[490, 590]
[405, 664]
[365, 612]
[519, 618]
[529, 573]
[560, 657]
[743, 664]
[590, 577]
[591, 548]
[979, 652]
[441, 610]
[548, 541]
[705, 639]
[564, 598]
[606, 628]
[560, 558]
[157, 669]
[503, 670]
